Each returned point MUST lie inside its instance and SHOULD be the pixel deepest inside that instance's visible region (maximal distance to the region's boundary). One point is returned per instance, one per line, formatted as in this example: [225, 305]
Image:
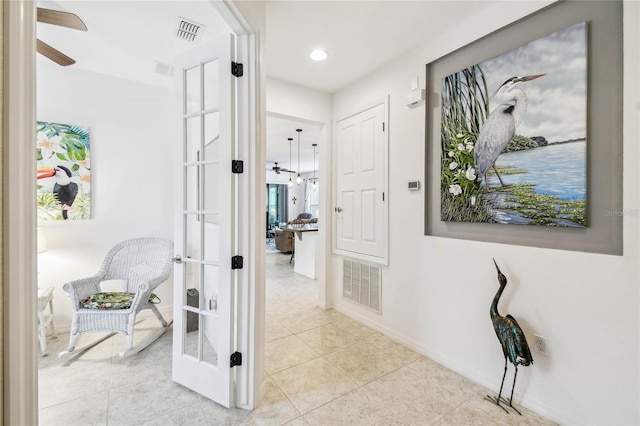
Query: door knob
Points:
[177, 259]
[338, 209]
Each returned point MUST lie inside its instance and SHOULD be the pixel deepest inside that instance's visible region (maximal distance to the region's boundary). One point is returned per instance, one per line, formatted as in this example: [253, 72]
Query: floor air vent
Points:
[362, 284]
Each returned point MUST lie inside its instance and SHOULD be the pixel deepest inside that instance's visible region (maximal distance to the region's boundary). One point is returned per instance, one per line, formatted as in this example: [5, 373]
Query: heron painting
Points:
[513, 135]
[511, 337]
[64, 172]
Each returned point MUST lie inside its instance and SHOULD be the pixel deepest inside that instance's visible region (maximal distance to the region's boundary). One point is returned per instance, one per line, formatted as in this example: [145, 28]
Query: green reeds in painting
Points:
[465, 106]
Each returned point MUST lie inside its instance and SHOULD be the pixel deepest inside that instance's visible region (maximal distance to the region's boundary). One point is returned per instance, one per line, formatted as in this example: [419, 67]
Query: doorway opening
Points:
[294, 257]
[22, 364]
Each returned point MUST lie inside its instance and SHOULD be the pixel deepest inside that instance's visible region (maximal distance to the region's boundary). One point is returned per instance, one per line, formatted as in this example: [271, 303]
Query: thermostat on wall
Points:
[414, 185]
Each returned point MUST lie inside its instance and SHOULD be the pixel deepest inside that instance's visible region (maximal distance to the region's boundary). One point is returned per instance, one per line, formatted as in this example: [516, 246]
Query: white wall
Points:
[131, 172]
[437, 291]
[297, 101]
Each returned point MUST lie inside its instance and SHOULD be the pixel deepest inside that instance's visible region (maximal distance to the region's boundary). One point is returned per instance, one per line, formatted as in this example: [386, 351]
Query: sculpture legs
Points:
[502, 384]
[512, 388]
[496, 400]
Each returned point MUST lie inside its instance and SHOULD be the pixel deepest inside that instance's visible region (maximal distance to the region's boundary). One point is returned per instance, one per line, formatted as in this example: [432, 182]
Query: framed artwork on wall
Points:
[513, 134]
[541, 100]
[64, 172]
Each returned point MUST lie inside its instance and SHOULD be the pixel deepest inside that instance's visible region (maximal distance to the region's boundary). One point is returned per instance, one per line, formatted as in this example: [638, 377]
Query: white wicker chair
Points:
[143, 264]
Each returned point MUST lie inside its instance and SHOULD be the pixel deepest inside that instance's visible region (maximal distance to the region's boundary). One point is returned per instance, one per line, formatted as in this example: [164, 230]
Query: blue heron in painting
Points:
[512, 339]
[501, 125]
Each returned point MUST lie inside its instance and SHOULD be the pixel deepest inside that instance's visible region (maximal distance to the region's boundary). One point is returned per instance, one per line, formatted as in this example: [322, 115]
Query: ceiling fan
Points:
[279, 169]
[61, 19]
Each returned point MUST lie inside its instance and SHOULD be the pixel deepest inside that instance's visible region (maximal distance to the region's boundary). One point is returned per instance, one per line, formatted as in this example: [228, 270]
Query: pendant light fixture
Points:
[314, 185]
[290, 183]
[299, 178]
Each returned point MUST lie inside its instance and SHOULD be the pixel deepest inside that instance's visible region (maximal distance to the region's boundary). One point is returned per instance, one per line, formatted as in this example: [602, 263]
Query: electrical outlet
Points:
[540, 344]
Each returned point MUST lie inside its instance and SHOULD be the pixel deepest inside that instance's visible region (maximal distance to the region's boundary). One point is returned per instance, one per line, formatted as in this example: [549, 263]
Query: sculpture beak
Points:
[498, 269]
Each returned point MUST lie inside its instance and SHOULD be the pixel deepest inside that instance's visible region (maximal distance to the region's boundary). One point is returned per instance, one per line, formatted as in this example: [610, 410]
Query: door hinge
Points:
[383, 196]
[237, 166]
[237, 262]
[383, 126]
[236, 359]
[237, 69]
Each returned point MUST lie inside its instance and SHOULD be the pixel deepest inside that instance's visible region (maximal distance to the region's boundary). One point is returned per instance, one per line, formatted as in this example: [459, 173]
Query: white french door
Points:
[205, 237]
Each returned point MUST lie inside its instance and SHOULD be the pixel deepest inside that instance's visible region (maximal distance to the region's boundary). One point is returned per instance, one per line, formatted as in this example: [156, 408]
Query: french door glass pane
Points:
[192, 236]
[212, 194]
[192, 284]
[211, 239]
[192, 89]
[211, 95]
[211, 136]
[192, 186]
[193, 138]
[210, 318]
[192, 290]
[191, 334]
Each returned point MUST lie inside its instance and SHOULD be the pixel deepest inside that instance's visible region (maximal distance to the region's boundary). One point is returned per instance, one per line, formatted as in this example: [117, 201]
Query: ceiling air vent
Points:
[189, 30]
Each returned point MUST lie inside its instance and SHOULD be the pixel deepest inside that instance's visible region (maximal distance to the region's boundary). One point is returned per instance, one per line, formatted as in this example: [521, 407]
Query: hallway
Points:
[322, 369]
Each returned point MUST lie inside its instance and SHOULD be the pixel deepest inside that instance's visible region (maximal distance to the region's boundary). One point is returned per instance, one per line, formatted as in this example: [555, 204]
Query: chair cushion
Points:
[113, 300]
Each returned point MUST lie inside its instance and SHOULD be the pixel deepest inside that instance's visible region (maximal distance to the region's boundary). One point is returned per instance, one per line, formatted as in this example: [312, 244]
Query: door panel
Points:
[368, 223]
[361, 221]
[204, 302]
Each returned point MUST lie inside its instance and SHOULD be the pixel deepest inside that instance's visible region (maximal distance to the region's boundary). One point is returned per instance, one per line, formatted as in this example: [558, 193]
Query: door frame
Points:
[20, 360]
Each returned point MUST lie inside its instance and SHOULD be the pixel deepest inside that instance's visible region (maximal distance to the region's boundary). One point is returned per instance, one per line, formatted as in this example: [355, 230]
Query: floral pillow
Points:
[113, 300]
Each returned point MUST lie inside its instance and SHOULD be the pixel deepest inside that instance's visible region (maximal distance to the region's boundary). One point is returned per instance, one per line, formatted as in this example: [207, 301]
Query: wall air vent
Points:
[362, 284]
[189, 30]
[164, 68]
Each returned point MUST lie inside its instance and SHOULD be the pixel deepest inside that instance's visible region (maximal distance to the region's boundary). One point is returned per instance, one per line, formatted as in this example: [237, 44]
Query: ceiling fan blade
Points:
[62, 19]
[54, 54]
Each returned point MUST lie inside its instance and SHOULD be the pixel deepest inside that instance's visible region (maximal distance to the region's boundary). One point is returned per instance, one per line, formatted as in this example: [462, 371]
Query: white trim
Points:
[380, 260]
[250, 296]
[19, 214]
[232, 16]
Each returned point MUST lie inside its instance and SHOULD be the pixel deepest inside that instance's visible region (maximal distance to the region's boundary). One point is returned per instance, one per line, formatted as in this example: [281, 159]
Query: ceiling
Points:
[126, 38]
[278, 131]
[359, 36]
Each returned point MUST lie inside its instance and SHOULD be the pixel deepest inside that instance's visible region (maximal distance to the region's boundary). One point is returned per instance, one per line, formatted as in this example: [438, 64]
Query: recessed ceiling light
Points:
[318, 55]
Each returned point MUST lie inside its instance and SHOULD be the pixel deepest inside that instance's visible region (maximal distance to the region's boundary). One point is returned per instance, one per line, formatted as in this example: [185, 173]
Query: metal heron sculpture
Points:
[501, 125]
[512, 339]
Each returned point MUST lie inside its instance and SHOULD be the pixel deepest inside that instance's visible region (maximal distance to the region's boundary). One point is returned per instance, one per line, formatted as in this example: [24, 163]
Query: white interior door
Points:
[361, 215]
[205, 235]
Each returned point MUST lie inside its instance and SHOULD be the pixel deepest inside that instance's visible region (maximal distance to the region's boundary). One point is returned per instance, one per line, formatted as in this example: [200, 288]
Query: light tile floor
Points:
[323, 368]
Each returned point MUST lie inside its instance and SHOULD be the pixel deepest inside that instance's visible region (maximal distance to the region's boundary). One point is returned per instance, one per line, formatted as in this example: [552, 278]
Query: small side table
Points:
[45, 298]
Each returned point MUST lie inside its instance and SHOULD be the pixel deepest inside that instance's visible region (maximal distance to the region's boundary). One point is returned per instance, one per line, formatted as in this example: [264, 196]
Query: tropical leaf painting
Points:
[64, 172]
[513, 134]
